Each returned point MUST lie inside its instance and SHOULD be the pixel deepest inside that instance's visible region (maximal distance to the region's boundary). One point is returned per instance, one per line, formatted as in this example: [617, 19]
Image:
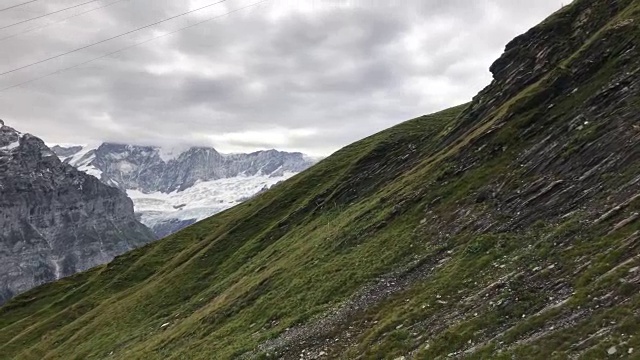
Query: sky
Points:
[295, 75]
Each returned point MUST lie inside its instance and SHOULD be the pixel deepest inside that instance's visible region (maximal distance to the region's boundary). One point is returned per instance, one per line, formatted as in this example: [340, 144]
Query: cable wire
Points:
[15, 6]
[51, 13]
[59, 21]
[133, 46]
[111, 38]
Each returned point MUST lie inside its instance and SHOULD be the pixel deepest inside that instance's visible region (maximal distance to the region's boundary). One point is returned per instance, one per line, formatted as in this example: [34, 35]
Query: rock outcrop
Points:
[55, 221]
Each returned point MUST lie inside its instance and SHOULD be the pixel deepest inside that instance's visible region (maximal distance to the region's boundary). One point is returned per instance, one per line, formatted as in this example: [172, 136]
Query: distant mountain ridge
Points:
[56, 221]
[147, 168]
[172, 190]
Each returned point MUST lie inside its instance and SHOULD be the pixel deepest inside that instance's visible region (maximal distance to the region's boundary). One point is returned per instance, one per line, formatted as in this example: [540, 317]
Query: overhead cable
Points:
[15, 6]
[109, 39]
[47, 14]
[133, 46]
[59, 21]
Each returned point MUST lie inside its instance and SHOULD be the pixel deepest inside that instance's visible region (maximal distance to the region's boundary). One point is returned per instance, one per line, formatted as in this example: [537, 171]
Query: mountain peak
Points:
[168, 153]
[9, 137]
[155, 169]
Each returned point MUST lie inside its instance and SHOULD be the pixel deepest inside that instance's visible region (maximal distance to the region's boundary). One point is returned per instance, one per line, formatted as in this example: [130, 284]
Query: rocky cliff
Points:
[55, 221]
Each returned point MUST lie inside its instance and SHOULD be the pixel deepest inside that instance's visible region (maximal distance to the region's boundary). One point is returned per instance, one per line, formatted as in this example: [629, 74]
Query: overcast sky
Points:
[303, 75]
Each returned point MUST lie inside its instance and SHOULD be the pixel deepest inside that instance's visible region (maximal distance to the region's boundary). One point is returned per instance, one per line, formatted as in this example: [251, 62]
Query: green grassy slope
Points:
[507, 227]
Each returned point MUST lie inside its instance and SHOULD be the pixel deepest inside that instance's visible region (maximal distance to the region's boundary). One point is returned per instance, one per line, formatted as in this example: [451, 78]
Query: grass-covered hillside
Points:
[505, 228]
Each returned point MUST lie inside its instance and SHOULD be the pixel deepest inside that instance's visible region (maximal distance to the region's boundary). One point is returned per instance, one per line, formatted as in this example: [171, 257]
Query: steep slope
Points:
[171, 189]
[505, 228]
[54, 220]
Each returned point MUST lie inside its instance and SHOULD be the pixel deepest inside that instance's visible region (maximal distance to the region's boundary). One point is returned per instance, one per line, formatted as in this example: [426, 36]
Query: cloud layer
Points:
[305, 75]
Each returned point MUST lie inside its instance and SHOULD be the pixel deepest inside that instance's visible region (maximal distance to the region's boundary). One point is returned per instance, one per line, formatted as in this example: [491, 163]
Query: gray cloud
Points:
[306, 75]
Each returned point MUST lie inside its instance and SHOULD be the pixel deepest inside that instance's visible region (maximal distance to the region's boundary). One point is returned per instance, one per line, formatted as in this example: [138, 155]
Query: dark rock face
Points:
[143, 168]
[530, 57]
[55, 220]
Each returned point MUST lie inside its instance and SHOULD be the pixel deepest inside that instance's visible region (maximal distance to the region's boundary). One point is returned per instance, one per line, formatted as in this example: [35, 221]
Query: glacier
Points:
[200, 201]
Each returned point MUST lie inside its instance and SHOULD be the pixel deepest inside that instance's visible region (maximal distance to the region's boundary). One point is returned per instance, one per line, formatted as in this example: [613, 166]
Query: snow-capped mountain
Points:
[172, 189]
